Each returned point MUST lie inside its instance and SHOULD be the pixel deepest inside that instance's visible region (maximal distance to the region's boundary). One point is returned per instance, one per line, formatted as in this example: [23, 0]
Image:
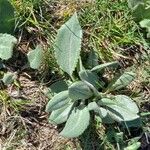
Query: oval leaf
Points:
[79, 90]
[7, 43]
[146, 24]
[60, 115]
[127, 102]
[121, 109]
[35, 57]
[134, 3]
[121, 81]
[7, 21]
[141, 11]
[92, 78]
[134, 146]
[58, 101]
[101, 111]
[58, 86]
[68, 44]
[77, 122]
[8, 78]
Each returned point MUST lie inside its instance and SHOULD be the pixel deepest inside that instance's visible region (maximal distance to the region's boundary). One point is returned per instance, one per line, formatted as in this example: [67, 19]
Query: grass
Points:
[109, 29]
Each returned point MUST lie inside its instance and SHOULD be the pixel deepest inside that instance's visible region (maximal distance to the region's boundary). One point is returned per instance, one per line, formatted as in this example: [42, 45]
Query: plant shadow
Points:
[90, 139]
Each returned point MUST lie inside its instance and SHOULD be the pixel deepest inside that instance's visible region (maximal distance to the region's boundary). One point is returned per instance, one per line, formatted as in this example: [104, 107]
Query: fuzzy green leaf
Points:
[121, 81]
[101, 111]
[8, 78]
[35, 57]
[134, 146]
[79, 90]
[60, 115]
[102, 66]
[58, 86]
[146, 24]
[92, 60]
[122, 108]
[58, 101]
[7, 22]
[90, 77]
[7, 43]
[68, 44]
[77, 122]
[141, 11]
[134, 3]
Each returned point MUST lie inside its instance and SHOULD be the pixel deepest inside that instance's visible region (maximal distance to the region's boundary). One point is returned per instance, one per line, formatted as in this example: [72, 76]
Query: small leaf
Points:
[93, 106]
[134, 146]
[60, 115]
[90, 77]
[58, 101]
[146, 24]
[7, 43]
[7, 21]
[68, 44]
[101, 111]
[79, 90]
[141, 11]
[8, 78]
[134, 3]
[77, 122]
[102, 66]
[92, 60]
[121, 81]
[59, 86]
[35, 57]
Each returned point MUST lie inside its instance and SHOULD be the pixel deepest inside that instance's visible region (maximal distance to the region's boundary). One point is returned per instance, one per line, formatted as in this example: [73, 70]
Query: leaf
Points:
[35, 57]
[90, 77]
[59, 86]
[92, 60]
[58, 101]
[134, 146]
[60, 115]
[7, 21]
[134, 3]
[101, 111]
[93, 106]
[77, 122]
[102, 66]
[8, 78]
[7, 43]
[68, 44]
[141, 11]
[79, 90]
[146, 24]
[121, 81]
[120, 109]
[127, 102]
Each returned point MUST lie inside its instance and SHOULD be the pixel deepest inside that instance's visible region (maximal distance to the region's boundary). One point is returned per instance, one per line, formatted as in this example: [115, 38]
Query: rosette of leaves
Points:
[73, 101]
